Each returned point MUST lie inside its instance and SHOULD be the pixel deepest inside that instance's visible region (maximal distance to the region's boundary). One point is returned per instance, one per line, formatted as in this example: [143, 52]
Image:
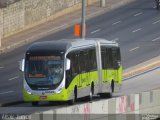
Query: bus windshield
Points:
[44, 72]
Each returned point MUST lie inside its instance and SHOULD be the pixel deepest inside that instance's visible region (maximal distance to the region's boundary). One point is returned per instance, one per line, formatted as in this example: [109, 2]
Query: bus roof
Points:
[64, 44]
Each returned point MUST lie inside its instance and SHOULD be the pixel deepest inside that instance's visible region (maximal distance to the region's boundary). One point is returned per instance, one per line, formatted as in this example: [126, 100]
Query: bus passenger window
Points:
[116, 57]
[82, 62]
[69, 73]
[103, 57]
[74, 69]
[86, 58]
[109, 58]
[92, 57]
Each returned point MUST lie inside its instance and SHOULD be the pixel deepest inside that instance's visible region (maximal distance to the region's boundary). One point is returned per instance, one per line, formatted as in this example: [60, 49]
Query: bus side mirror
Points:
[68, 64]
[21, 65]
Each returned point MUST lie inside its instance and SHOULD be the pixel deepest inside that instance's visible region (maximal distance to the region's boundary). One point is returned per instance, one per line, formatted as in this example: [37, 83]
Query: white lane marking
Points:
[156, 39]
[137, 30]
[1, 67]
[13, 78]
[95, 31]
[6, 92]
[140, 13]
[64, 25]
[133, 49]
[57, 28]
[156, 22]
[116, 39]
[116, 22]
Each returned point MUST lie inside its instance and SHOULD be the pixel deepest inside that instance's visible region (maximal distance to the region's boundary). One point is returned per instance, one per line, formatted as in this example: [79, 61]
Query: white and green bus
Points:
[65, 70]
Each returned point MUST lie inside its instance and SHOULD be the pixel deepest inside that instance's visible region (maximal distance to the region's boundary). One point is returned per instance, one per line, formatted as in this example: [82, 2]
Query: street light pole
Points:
[83, 19]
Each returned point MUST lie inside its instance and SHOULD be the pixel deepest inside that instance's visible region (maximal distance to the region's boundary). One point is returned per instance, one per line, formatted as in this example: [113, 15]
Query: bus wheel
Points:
[34, 103]
[74, 97]
[91, 93]
[112, 86]
[109, 95]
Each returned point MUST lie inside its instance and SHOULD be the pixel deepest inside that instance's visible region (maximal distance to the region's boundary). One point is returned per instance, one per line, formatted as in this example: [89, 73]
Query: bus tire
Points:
[74, 97]
[112, 86]
[112, 90]
[91, 92]
[34, 103]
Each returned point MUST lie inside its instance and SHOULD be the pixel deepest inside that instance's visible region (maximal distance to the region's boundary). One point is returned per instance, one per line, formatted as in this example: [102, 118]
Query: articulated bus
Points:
[65, 70]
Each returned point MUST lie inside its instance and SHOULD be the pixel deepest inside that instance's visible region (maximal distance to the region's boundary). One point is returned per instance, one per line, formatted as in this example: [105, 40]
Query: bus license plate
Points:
[43, 97]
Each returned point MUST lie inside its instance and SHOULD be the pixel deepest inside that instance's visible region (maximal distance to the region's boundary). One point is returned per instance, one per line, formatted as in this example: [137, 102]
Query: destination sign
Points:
[45, 58]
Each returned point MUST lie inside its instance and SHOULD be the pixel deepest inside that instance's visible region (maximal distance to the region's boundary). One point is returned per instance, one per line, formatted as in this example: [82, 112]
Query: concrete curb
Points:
[43, 34]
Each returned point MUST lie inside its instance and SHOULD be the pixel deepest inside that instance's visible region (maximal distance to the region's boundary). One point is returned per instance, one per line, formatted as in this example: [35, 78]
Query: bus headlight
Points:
[28, 91]
[59, 89]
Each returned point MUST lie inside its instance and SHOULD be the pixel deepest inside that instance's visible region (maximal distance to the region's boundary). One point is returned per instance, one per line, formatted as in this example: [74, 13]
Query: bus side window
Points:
[118, 54]
[76, 64]
[103, 57]
[92, 58]
[82, 62]
[116, 57]
[118, 60]
[109, 58]
[86, 60]
[70, 74]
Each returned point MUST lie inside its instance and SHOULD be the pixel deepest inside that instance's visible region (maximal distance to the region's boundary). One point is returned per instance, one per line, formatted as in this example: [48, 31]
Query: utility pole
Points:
[83, 19]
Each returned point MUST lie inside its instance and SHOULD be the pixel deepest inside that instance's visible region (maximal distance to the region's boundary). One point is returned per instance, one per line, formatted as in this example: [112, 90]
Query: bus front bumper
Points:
[29, 97]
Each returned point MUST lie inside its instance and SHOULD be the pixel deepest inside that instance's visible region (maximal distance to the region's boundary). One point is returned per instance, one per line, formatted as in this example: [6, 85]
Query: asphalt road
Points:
[135, 27]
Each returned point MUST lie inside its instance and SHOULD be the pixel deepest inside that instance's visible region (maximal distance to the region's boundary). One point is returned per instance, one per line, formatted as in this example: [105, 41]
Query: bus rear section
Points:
[111, 69]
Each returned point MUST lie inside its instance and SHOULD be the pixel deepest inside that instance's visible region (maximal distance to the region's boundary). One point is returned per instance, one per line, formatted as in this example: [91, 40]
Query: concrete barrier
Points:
[133, 104]
[140, 106]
